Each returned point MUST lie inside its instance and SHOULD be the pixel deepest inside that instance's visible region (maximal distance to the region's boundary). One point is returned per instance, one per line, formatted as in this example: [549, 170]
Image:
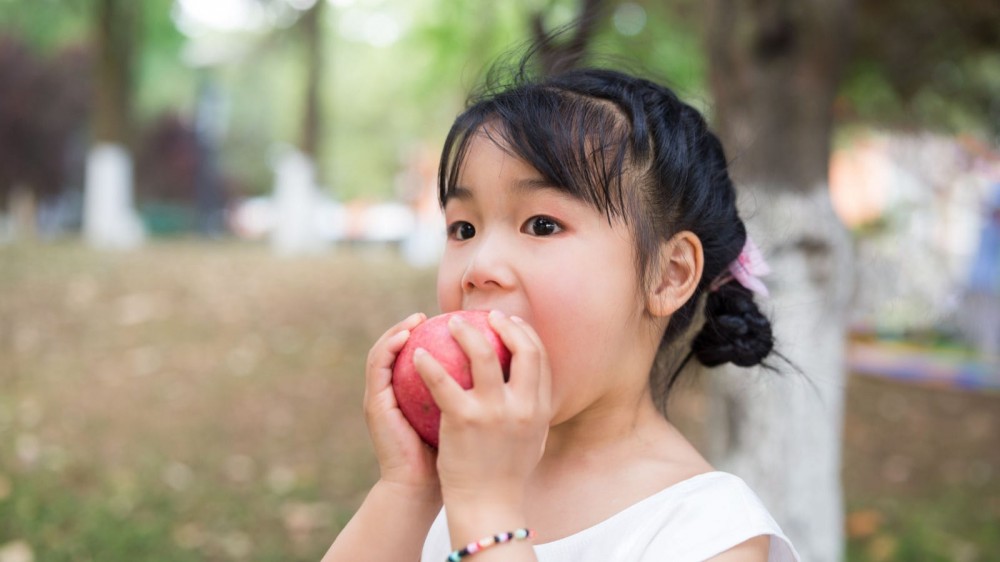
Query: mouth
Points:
[503, 310]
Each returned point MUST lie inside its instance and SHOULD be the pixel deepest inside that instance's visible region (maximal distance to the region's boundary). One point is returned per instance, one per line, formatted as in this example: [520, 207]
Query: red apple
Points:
[412, 395]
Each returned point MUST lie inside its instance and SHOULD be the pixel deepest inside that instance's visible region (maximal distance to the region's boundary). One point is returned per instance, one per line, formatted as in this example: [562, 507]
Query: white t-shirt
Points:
[690, 521]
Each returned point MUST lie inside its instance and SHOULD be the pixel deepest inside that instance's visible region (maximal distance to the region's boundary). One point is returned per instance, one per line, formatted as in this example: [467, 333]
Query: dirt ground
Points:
[207, 396]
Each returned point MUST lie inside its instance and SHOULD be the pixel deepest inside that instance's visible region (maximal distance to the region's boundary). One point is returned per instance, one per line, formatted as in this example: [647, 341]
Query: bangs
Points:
[580, 145]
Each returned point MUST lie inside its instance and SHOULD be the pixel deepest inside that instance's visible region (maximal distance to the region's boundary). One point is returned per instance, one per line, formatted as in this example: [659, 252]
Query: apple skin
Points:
[412, 395]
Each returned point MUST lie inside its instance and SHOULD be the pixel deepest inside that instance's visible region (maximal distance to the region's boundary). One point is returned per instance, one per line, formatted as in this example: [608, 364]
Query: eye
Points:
[461, 230]
[541, 226]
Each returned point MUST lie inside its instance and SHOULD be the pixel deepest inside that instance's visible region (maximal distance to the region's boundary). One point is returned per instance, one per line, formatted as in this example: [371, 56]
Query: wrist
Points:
[474, 516]
[492, 494]
[412, 494]
[498, 539]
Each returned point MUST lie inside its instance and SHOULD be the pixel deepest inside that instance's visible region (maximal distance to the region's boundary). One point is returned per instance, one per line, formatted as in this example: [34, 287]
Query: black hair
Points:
[633, 150]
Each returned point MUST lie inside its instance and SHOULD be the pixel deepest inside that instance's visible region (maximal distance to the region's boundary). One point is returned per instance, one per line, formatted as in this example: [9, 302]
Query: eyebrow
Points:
[532, 184]
[521, 186]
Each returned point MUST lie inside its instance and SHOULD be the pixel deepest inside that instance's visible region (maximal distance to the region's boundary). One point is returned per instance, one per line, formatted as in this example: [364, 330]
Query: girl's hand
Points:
[404, 460]
[492, 435]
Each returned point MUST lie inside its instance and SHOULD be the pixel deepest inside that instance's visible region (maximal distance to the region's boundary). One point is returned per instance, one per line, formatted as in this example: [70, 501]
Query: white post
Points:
[23, 213]
[295, 203]
[109, 218]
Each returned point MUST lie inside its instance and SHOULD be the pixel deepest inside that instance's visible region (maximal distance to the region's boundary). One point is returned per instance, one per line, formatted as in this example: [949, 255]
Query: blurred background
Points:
[209, 209]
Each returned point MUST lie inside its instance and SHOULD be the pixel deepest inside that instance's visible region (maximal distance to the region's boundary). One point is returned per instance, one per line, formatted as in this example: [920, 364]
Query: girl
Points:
[590, 212]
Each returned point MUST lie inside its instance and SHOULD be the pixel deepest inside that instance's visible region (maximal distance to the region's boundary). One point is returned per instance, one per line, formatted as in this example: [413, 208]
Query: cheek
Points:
[584, 326]
[589, 324]
[449, 285]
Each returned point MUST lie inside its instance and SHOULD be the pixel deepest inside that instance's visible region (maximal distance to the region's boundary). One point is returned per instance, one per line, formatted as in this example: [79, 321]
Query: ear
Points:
[677, 274]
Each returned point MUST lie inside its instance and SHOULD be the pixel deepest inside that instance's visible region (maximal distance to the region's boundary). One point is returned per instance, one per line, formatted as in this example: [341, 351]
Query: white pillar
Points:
[109, 217]
[295, 203]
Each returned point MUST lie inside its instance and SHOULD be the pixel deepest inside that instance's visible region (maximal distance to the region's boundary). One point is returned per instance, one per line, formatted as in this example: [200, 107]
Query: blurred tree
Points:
[46, 26]
[109, 219]
[926, 62]
[774, 71]
[403, 71]
[312, 117]
[167, 156]
[159, 78]
[59, 39]
[39, 142]
[116, 27]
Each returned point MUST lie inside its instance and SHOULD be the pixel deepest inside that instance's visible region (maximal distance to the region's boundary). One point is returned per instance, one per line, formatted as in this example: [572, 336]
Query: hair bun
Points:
[735, 330]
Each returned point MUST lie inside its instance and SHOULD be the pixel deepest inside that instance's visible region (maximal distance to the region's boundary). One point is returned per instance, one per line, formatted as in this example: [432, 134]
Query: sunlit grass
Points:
[950, 526]
[188, 402]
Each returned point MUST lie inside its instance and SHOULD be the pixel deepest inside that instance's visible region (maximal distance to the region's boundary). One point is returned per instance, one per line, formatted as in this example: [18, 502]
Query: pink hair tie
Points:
[747, 269]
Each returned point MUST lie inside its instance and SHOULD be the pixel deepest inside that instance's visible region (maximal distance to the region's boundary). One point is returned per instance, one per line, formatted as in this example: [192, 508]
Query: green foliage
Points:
[668, 48]
[958, 97]
[872, 94]
[926, 63]
[407, 94]
[383, 98]
[163, 81]
[397, 71]
[389, 99]
[47, 24]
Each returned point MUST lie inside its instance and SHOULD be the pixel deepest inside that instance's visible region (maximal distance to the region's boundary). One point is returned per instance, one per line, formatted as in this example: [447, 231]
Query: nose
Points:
[490, 266]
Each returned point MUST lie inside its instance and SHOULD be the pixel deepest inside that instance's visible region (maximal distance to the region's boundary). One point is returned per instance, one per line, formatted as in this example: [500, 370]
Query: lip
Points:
[502, 310]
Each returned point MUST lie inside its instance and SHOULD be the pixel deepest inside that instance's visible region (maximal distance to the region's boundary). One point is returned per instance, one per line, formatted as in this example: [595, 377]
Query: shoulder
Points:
[756, 549]
[720, 518]
[713, 492]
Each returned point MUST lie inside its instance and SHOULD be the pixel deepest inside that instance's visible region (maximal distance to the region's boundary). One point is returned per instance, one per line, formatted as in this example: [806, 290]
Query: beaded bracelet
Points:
[481, 544]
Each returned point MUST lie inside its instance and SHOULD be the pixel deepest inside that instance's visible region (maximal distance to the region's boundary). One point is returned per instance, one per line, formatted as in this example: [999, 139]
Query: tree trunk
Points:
[109, 218]
[312, 119]
[115, 33]
[774, 69]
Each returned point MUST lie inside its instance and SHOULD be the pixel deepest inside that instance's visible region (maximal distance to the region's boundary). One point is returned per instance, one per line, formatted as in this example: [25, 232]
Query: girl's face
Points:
[529, 250]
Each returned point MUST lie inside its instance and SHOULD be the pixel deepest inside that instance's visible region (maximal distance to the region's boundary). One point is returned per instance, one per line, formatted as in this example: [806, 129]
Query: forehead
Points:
[486, 158]
[488, 152]
[487, 162]
[579, 145]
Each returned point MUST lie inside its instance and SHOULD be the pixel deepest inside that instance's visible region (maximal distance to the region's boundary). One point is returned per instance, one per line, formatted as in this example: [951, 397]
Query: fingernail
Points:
[414, 316]
[517, 319]
[456, 321]
[419, 352]
[496, 315]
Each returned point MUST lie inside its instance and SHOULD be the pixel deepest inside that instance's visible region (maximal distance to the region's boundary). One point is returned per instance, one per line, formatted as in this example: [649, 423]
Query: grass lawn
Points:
[201, 401]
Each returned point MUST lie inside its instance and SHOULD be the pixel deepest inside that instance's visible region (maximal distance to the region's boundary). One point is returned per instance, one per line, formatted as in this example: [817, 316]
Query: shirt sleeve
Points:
[714, 520]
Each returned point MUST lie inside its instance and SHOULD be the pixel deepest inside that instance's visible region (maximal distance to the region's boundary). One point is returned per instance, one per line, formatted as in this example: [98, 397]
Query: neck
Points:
[633, 424]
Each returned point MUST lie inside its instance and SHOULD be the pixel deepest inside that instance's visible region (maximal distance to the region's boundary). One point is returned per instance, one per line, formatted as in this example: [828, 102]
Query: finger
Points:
[446, 391]
[407, 324]
[545, 371]
[384, 351]
[529, 330]
[487, 376]
[525, 352]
